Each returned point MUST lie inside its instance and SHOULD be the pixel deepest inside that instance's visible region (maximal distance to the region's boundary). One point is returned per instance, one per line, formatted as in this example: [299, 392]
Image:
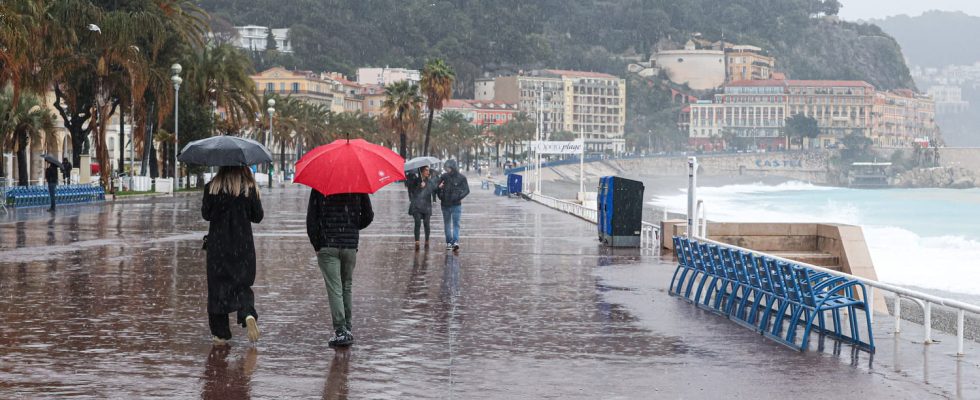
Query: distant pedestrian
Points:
[51, 176]
[333, 224]
[420, 189]
[452, 189]
[231, 205]
[66, 170]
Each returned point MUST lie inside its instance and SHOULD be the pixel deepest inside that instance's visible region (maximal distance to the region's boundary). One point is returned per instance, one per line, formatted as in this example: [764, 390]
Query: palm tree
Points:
[220, 75]
[29, 121]
[437, 86]
[402, 107]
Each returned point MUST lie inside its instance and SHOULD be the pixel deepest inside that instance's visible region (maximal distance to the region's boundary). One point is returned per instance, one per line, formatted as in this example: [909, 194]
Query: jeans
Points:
[52, 192]
[337, 267]
[450, 218]
[420, 220]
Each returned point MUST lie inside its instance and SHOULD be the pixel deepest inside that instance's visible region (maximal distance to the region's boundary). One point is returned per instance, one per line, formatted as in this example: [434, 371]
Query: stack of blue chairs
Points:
[37, 196]
[775, 298]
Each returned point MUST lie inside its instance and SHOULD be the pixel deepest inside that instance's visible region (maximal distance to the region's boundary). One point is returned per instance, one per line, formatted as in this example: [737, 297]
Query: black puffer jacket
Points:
[453, 187]
[336, 220]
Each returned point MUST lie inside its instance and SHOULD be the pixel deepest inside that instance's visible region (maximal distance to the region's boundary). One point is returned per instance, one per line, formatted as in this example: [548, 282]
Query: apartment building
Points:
[590, 104]
[901, 117]
[255, 37]
[757, 110]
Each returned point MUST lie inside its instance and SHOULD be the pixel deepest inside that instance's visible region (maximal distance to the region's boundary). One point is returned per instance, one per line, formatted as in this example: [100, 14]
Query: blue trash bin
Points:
[515, 183]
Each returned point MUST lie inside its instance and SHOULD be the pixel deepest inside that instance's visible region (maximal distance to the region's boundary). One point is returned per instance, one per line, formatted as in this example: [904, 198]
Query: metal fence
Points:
[924, 300]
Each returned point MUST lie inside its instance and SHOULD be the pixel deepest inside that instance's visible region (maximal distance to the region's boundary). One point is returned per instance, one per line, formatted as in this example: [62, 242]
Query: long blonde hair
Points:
[236, 181]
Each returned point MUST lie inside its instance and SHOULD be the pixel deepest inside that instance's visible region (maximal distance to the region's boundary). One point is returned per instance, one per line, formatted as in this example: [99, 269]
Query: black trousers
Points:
[219, 322]
[422, 219]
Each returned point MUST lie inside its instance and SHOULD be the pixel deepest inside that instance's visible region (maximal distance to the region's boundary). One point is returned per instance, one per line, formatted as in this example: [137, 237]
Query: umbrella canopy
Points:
[225, 151]
[349, 166]
[51, 159]
[419, 162]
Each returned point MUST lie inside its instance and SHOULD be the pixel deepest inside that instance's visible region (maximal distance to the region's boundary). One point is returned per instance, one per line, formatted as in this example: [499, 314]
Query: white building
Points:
[385, 76]
[699, 69]
[949, 99]
[484, 89]
[254, 37]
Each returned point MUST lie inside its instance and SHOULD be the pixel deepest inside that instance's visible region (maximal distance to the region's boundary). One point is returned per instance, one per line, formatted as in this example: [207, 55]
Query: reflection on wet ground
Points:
[109, 301]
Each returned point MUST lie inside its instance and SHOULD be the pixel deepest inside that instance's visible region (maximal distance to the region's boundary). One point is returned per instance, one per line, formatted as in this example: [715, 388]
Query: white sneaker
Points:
[252, 327]
[449, 246]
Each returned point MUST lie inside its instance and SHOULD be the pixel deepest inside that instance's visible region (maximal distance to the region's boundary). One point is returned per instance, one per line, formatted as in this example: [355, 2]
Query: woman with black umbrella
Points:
[231, 205]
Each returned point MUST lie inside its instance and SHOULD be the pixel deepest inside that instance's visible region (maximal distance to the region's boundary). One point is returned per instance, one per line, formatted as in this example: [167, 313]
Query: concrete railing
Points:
[925, 300]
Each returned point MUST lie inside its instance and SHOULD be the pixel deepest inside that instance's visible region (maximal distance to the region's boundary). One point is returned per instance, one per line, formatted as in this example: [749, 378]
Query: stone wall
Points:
[809, 167]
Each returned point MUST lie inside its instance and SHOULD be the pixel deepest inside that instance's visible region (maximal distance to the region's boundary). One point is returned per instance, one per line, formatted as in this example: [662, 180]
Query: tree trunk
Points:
[122, 140]
[20, 134]
[428, 130]
[282, 158]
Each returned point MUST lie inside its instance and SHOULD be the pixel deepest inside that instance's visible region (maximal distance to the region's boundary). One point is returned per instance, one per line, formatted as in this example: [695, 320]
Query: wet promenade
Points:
[109, 302]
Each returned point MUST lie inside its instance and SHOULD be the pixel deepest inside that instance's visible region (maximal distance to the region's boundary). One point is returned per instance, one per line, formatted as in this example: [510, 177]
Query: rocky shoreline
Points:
[937, 177]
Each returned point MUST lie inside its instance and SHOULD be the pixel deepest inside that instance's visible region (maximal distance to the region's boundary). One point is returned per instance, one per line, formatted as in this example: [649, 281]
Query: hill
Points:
[935, 38]
[501, 36]
[476, 36]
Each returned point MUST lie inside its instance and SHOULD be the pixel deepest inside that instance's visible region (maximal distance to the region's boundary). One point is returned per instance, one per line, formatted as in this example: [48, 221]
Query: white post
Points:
[959, 332]
[176, 79]
[692, 185]
[898, 313]
[927, 322]
[581, 168]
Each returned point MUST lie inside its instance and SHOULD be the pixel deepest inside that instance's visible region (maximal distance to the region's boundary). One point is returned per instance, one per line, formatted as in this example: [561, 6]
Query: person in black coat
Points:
[420, 190]
[51, 176]
[333, 224]
[452, 189]
[66, 170]
[231, 205]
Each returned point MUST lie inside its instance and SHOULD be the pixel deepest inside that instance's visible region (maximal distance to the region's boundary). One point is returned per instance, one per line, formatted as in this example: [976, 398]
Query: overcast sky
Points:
[866, 9]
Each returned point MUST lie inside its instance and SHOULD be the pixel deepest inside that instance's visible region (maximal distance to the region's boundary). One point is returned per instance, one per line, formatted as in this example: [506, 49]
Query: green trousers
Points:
[337, 266]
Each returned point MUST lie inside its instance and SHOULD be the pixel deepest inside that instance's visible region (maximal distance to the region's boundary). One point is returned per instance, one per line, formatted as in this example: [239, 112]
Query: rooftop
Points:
[580, 74]
[799, 83]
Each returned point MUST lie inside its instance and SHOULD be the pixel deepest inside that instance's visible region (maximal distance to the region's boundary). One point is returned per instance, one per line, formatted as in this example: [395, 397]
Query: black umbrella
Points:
[51, 159]
[225, 151]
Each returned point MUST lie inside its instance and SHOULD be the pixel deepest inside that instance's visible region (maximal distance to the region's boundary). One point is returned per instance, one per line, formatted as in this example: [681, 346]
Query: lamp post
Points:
[176, 68]
[268, 139]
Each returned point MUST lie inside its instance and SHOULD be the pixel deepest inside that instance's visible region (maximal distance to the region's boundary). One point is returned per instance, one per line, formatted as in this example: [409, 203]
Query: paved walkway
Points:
[109, 301]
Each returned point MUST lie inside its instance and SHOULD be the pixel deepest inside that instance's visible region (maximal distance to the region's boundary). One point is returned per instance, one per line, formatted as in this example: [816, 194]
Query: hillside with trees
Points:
[505, 36]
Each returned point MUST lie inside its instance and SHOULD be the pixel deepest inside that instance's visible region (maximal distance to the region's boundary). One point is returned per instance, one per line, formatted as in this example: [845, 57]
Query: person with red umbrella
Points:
[342, 174]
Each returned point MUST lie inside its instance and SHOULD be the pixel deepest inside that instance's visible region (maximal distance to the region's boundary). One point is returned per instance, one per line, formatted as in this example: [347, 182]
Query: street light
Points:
[176, 68]
[268, 139]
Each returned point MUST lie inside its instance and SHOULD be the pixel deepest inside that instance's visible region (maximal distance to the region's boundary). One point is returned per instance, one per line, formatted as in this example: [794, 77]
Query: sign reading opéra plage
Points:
[547, 147]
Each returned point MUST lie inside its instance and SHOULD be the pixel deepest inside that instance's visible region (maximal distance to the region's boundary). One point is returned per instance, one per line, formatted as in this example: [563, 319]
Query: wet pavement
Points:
[108, 301]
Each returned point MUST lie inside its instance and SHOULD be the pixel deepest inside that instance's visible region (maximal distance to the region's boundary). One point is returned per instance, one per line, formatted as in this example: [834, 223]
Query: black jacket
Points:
[336, 220]
[231, 250]
[454, 186]
[51, 173]
[420, 198]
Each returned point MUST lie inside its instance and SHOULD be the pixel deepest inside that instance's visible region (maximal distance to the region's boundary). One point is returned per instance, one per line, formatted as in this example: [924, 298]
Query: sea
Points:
[926, 239]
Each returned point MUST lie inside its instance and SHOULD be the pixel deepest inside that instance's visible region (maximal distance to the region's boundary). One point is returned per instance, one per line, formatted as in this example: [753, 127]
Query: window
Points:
[295, 87]
[282, 87]
[270, 87]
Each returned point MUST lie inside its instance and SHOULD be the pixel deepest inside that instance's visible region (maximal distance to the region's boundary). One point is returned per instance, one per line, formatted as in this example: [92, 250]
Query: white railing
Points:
[649, 232]
[565, 206]
[923, 299]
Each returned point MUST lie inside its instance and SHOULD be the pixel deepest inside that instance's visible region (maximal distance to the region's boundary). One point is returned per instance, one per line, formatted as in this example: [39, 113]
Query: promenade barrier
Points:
[784, 301]
[649, 234]
[37, 196]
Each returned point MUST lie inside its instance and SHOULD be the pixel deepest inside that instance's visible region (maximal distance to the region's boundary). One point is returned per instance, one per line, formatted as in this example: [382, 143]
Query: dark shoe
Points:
[455, 246]
[427, 244]
[417, 245]
[341, 339]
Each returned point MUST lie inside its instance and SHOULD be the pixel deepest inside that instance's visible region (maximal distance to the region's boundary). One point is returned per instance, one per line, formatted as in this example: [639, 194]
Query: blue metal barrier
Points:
[38, 196]
[775, 298]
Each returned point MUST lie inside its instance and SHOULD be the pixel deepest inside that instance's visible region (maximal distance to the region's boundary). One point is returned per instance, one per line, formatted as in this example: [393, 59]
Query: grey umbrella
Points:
[51, 159]
[419, 162]
[225, 151]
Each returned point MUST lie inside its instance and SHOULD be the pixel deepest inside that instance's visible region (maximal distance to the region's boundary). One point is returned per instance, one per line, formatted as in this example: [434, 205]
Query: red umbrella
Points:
[349, 166]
